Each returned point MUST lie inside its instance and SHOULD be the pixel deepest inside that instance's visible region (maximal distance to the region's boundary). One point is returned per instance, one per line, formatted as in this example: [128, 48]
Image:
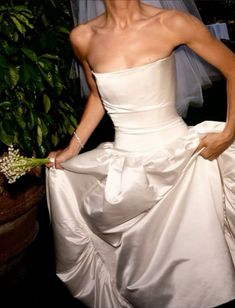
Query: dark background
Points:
[218, 11]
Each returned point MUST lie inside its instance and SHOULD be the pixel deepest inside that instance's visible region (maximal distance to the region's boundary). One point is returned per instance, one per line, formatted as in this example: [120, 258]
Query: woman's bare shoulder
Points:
[173, 18]
[182, 26]
[81, 35]
[86, 29]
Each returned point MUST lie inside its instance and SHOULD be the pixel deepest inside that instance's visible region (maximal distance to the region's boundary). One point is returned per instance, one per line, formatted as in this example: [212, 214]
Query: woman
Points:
[192, 73]
[146, 221]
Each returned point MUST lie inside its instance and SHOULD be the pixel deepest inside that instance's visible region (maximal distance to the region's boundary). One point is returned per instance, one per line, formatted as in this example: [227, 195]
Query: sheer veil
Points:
[193, 74]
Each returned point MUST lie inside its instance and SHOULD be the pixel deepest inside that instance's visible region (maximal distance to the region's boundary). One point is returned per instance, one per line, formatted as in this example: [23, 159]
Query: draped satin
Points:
[145, 221]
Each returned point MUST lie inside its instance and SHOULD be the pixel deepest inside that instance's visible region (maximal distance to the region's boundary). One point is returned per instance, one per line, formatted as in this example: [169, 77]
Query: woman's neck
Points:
[121, 13]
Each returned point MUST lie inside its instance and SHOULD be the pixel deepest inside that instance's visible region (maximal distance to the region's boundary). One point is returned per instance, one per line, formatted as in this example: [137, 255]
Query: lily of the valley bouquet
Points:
[13, 165]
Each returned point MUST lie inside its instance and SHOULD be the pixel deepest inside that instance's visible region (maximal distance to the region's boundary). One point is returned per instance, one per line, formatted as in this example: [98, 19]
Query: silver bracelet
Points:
[78, 140]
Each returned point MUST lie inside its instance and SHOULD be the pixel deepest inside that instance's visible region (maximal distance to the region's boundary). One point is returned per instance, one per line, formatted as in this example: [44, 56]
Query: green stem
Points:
[31, 162]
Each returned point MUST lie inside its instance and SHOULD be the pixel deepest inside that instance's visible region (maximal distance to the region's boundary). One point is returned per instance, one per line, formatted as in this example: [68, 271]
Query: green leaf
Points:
[63, 30]
[54, 139]
[20, 95]
[45, 64]
[6, 105]
[27, 14]
[22, 9]
[73, 120]
[58, 84]
[66, 125]
[47, 77]
[24, 20]
[31, 122]
[20, 119]
[65, 106]
[50, 56]
[20, 111]
[19, 26]
[15, 37]
[30, 54]
[70, 129]
[42, 65]
[39, 135]
[12, 76]
[46, 103]
[44, 128]
[14, 73]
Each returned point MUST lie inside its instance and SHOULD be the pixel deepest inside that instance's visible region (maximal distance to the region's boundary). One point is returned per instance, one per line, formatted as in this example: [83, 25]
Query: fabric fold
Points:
[145, 221]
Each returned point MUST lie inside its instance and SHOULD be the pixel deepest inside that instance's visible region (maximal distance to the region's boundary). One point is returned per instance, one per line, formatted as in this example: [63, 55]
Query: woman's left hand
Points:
[214, 144]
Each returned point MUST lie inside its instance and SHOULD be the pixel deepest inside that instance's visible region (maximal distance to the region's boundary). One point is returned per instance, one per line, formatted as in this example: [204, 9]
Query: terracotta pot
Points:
[18, 223]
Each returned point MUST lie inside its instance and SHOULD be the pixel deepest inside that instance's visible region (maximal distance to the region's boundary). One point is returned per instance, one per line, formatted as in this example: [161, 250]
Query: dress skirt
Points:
[146, 229]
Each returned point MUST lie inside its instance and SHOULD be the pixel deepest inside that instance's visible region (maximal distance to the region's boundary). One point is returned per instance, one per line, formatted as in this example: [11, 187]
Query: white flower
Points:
[13, 165]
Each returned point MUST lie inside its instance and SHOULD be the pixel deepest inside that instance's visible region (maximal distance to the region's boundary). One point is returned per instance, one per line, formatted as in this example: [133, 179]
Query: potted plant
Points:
[37, 107]
[38, 111]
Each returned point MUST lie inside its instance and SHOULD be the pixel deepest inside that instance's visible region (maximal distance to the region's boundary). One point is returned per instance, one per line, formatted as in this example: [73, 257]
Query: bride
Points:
[148, 220]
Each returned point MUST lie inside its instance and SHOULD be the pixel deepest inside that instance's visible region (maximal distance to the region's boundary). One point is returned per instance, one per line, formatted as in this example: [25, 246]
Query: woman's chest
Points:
[124, 50]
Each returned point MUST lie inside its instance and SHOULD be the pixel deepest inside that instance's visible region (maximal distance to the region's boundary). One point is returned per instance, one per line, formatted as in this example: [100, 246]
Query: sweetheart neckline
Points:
[132, 68]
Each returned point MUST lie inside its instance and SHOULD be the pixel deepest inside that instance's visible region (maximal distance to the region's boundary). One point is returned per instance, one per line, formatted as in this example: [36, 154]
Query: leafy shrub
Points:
[37, 105]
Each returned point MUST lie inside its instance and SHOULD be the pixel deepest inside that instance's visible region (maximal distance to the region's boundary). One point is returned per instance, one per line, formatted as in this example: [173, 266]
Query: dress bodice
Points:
[141, 100]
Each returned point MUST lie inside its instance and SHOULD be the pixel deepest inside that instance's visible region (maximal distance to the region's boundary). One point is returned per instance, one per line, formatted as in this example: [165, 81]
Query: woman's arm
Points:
[186, 29]
[94, 111]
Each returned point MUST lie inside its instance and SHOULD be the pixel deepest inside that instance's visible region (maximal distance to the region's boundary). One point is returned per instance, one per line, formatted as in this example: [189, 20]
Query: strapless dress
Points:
[144, 221]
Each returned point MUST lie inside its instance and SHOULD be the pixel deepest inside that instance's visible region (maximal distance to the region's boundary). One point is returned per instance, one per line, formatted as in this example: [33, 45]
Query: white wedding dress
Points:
[144, 221]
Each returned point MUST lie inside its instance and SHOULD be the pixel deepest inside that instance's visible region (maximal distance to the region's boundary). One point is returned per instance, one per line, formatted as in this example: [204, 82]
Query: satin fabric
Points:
[144, 221]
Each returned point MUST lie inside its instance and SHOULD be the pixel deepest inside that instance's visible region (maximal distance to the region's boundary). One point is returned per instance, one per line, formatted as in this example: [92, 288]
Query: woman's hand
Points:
[60, 156]
[214, 144]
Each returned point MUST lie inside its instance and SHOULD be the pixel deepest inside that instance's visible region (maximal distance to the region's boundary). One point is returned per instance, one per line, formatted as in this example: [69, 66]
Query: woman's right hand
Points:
[60, 156]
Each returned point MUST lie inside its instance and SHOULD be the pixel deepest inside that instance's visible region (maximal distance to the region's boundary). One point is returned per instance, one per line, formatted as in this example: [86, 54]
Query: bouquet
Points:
[13, 165]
